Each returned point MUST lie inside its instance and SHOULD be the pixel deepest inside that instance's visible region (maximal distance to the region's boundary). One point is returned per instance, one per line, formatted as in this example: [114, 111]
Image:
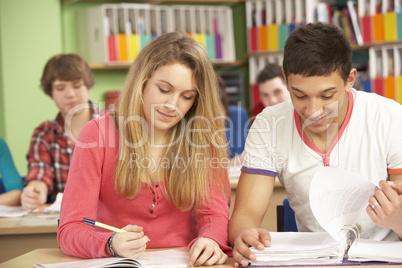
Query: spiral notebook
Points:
[337, 197]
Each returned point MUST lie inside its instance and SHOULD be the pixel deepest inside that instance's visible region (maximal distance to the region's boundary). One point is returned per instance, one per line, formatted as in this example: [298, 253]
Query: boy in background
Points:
[67, 80]
[271, 87]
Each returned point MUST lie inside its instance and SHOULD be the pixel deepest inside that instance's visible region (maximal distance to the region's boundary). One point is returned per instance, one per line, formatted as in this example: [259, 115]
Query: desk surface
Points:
[55, 255]
[11, 226]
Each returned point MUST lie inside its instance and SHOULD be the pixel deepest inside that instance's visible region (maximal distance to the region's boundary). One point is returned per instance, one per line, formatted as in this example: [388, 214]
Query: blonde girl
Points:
[155, 167]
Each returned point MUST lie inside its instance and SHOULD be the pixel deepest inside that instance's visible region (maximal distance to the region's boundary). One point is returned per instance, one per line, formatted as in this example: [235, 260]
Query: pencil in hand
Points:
[104, 226]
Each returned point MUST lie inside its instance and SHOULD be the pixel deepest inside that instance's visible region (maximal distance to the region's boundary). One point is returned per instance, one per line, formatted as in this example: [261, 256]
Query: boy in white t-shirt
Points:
[326, 123]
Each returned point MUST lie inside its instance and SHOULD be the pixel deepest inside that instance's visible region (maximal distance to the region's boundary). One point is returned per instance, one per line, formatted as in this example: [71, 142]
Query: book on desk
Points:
[150, 259]
[340, 244]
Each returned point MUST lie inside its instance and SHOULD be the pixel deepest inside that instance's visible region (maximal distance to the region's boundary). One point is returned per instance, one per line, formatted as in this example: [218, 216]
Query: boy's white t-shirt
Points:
[369, 143]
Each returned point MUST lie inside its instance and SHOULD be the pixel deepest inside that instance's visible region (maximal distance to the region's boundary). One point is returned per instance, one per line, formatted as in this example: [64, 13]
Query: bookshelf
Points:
[371, 25]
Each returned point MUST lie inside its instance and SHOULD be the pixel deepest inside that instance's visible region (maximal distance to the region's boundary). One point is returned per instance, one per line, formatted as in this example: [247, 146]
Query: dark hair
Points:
[66, 67]
[223, 94]
[270, 71]
[317, 49]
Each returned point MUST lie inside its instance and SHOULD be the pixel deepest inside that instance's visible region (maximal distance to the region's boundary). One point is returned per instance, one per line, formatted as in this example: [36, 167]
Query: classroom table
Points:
[54, 255]
[16, 239]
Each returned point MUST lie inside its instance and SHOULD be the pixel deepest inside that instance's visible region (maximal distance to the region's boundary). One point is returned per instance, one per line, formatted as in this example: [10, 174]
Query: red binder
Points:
[253, 42]
[366, 29]
[378, 86]
[112, 51]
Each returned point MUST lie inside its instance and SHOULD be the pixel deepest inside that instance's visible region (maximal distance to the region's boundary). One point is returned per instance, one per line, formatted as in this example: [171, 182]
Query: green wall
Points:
[32, 31]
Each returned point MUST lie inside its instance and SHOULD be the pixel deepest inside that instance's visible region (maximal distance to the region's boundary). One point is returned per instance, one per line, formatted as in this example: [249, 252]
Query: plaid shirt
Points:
[50, 154]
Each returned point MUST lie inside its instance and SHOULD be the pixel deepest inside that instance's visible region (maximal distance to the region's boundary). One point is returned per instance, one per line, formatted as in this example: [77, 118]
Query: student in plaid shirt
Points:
[67, 80]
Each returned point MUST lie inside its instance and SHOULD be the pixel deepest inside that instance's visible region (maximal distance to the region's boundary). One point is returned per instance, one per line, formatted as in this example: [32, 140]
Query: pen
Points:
[104, 226]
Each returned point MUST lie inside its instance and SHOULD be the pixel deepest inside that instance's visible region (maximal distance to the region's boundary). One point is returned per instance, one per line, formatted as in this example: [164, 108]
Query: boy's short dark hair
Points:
[270, 71]
[66, 67]
[317, 49]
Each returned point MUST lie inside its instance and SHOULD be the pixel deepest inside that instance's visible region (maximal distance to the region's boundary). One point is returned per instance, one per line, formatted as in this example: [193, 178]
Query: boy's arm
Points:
[253, 196]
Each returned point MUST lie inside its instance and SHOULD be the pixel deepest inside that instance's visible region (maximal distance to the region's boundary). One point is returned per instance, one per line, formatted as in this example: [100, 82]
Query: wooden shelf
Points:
[156, 1]
[125, 66]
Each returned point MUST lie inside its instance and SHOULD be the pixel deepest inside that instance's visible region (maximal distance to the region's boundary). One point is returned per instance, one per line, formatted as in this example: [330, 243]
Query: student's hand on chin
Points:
[251, 237]
[206, 251]
[131, 244]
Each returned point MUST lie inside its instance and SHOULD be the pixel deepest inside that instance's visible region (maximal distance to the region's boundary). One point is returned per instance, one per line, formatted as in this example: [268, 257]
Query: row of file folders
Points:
[384, 75]
[269, 22]
[385, 72]
[115, 33]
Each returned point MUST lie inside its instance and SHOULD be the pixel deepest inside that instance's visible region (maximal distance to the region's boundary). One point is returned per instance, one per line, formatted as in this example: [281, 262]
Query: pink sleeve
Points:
[81, 195]
[213, 220]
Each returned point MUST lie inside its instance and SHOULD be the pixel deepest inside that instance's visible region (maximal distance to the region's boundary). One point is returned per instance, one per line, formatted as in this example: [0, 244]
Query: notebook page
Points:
[337, 197]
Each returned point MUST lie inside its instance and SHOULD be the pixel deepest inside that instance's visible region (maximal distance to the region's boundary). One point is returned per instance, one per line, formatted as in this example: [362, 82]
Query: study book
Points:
[337, 198]
[150, 259]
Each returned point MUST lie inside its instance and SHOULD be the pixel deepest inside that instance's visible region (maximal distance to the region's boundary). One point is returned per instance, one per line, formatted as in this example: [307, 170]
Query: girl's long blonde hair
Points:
[196, 158]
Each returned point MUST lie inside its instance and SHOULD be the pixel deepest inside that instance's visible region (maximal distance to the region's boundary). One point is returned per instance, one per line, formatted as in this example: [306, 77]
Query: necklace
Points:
[312, 138]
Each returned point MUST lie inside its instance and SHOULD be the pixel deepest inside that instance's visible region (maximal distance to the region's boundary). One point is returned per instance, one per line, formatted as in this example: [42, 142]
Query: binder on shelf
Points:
[189, 21]
[398, 73]
[290, 15]
[398, 11]
[272, 26]
[97, 29]
[324, 12]
[390, 21]
[209, 37]
[377, 20]
[365, 20]
[310, 10]
[300, 12]
[199, 25]
[160, 21]
[262, 25]
[144, 26]
[366, 85]
[217, 35]
[283, 30]
[388, 72]
[251, 21]
[225, 30]
[134, 38]
[348, 25]
[253, 72]
[123, 33]
[355, 22]
[376, 74]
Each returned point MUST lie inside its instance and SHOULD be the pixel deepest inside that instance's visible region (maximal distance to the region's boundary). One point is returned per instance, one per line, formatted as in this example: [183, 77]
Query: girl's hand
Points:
[131, 244]
[206, 251]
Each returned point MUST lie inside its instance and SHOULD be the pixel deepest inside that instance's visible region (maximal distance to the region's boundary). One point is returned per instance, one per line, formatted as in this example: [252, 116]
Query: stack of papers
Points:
[368, 250]
[301, 248]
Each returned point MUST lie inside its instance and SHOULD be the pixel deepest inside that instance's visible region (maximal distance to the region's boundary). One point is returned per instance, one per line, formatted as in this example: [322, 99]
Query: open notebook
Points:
[337, 197]
[153, 259]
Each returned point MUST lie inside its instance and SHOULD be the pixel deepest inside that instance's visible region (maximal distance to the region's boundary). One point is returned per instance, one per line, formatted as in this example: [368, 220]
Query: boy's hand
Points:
[385, 206]
[33, 196]
[131, 244]
[251, 237]
[206, 251]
